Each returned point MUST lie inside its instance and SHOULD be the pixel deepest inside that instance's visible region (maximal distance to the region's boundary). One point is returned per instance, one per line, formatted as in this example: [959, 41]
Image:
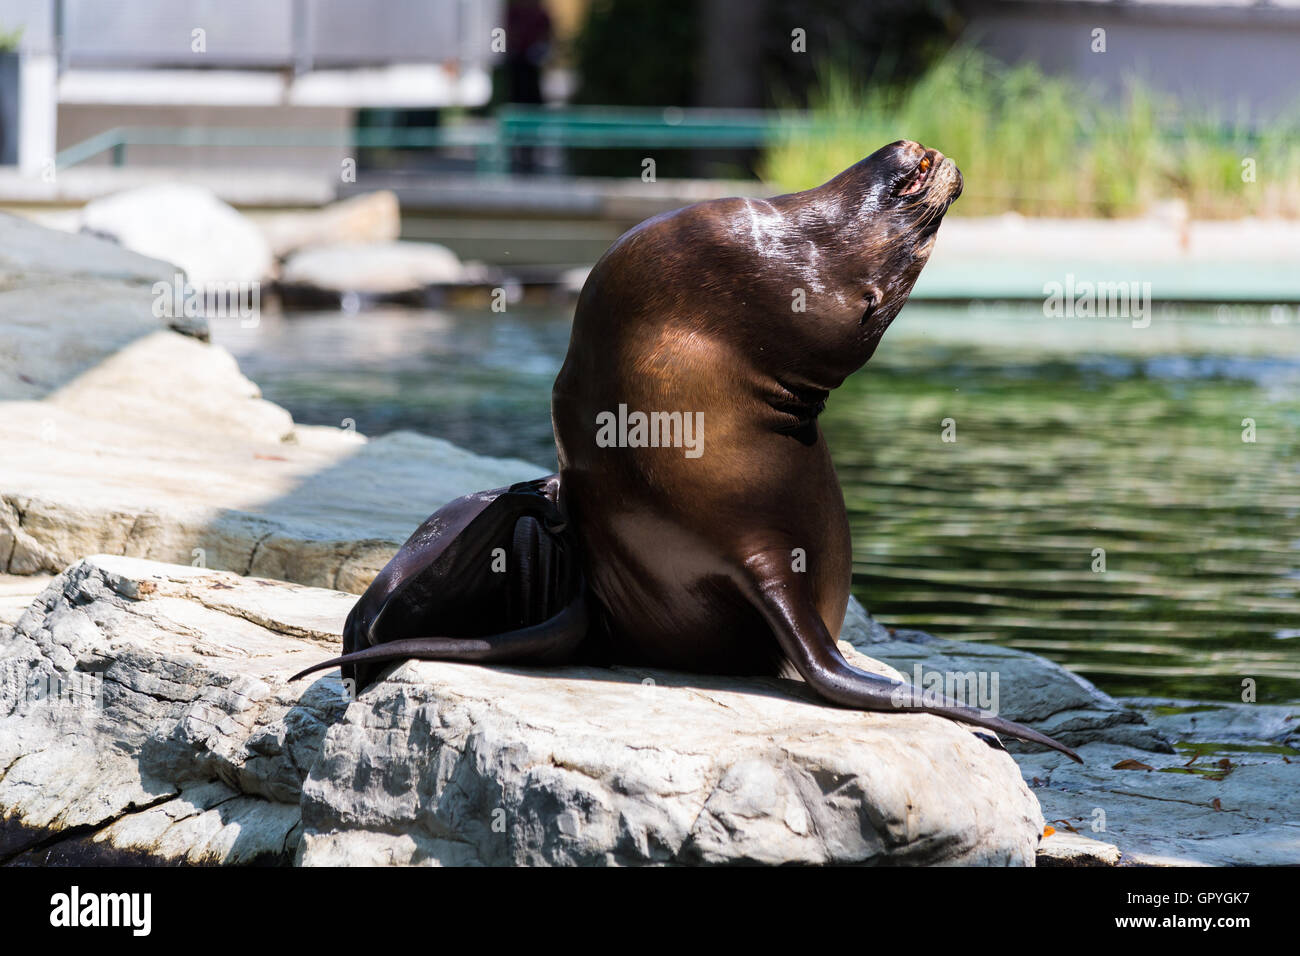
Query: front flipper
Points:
[782, 597]
[492, 576]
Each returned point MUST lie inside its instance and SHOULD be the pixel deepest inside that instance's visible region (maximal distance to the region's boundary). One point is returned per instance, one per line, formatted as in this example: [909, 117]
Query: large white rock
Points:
[192, 748]
[370, 217]
[373, 268]
[166, 740]
[186, 225]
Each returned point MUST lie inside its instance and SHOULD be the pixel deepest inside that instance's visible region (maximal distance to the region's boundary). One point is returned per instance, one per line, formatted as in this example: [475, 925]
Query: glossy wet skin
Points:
[699, 310]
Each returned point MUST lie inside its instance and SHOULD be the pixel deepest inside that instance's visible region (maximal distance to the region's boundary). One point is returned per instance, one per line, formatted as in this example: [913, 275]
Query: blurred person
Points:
[528, 42]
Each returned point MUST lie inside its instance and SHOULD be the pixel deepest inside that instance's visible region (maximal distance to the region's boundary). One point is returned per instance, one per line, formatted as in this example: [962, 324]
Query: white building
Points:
[90, 65]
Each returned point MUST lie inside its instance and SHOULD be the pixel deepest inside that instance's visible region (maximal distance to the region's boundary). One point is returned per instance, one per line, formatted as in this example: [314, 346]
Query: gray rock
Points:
[172, 734]
[1194, 721]
[1167, 815]
[29, 251]
[861, 629]
[192, 748]
[184, 224]
[68, 303]
[1029, 689]
[1122, 814]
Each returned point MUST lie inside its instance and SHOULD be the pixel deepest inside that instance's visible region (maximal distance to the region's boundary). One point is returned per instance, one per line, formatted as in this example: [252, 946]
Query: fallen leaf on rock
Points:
[1131, 764]
[1216, 804]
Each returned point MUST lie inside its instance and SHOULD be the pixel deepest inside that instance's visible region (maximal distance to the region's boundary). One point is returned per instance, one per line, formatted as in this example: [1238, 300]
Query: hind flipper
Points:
[482, 568]
[782, 597]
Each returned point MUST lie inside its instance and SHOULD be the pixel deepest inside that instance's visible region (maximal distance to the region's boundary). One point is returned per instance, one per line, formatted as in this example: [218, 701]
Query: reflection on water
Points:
[1072, 435]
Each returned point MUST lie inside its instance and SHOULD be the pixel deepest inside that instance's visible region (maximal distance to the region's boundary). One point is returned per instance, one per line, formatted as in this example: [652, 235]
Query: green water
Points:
[1071, 435]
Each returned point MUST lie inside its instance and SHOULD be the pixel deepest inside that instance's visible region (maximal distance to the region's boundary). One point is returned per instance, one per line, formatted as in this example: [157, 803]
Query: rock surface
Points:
[31, 252]
[186, 225]
[175, 738]
[1111, 811]
[1025, 687]
[67, 303]
[1226, 797]
[370, 217]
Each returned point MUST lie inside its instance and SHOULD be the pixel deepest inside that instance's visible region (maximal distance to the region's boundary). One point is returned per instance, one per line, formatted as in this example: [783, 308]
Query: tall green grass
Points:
[1044, 145]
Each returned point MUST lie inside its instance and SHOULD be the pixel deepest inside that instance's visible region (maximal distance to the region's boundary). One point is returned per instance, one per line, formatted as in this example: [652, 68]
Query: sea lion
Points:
[696, 522]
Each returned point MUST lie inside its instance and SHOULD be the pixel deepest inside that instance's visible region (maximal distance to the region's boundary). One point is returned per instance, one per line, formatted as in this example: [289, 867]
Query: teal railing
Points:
[595, 127]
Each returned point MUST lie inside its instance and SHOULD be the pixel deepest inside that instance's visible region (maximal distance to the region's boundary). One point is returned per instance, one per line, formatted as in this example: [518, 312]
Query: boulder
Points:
[186, 225]
[51, 333]
[1198, 722]
[68, 302]
[1064, 848]
[144, 715]
[1184, 809]
[370, 217]
[31, 252]
[373, 269]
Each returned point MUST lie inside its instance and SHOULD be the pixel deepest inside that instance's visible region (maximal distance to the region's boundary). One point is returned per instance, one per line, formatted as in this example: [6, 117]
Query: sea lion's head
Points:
[799, 288]
[890, 205]
[867, 234]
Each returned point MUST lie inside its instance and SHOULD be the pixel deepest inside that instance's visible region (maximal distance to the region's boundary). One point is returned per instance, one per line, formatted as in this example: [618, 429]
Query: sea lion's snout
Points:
[925, 174]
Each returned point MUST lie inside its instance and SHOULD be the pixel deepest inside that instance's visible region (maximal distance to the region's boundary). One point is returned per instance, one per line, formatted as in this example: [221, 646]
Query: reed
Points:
[1048, 146]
